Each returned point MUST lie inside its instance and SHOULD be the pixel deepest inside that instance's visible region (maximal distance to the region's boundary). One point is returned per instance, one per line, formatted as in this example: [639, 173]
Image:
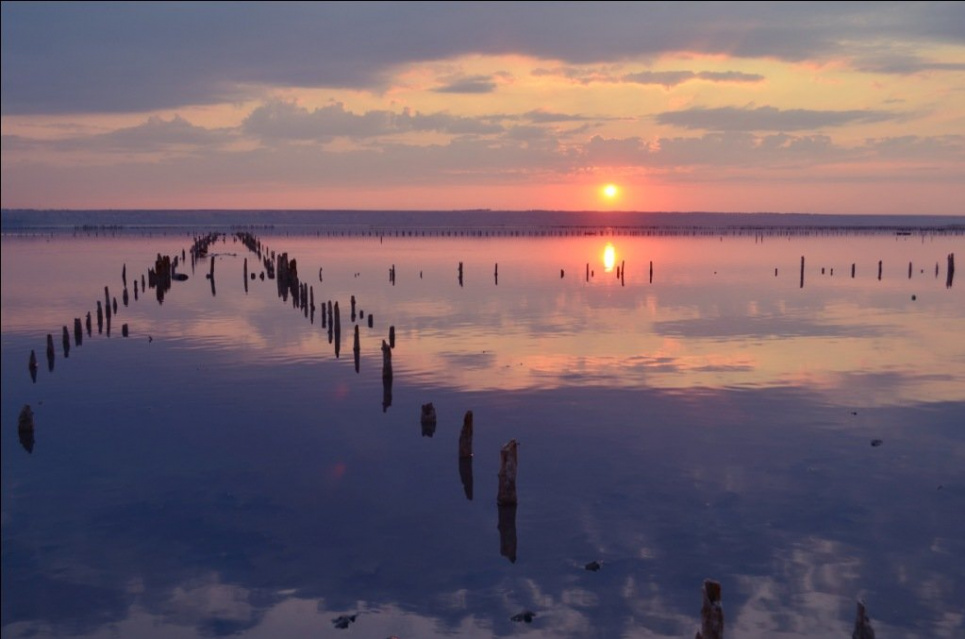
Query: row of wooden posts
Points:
[159, 278]
[949, 270]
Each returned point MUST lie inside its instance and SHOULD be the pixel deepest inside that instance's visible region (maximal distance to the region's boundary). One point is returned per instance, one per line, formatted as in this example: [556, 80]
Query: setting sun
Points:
[610, 191]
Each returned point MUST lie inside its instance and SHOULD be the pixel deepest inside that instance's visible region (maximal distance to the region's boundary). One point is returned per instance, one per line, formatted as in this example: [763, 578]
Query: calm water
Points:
[221, 472]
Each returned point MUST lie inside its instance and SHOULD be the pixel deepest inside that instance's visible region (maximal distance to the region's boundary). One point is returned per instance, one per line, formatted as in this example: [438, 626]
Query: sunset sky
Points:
[790, 107]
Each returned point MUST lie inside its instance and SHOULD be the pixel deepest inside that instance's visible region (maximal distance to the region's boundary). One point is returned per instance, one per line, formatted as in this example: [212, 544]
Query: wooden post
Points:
[78, 332]
[371, 321]
[852, 270]
[879, 269]
[909, 270]
[465, 437]
[65, 338]
[802, 271]
[87, 324]
[356, 348]
[392, 336]
[386, 376]
[508, 464]
[951, 270]
[32, 365]
[353, 308]
[50, 352]
[337, 330]
[651, 271]
[460, 273]
[711, 612]
[124, 330]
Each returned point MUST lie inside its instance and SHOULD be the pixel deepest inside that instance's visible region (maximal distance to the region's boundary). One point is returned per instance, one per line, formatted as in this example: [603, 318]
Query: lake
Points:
[687, 405]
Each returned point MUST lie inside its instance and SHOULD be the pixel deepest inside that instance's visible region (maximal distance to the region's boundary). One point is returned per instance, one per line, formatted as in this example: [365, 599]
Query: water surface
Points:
[220, 471]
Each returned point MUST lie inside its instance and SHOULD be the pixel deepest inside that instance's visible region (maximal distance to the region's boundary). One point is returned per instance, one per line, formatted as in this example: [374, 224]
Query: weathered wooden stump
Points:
[78, 332]
[950, 273]
[711, 612]
[465, 436]
[65, 341]
[124, 331]
[802, 272]
[371, 321]
[879, 269]
[392, 336]
[100, 318]
[87, 324]
[508, 464]
[32, 365]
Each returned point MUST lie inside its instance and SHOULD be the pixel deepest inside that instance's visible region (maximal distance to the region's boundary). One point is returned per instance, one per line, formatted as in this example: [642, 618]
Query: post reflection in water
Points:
[609, 258]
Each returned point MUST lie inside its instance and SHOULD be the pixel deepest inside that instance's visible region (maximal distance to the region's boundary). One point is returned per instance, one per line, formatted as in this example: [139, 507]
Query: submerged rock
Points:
[526, 616]
[593, 566]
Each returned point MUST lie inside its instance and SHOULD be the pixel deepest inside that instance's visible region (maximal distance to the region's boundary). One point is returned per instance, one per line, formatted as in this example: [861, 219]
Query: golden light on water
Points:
[609, 257]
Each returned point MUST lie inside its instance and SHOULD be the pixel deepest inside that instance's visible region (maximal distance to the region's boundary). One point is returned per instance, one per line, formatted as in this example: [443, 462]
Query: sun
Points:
[610, 191]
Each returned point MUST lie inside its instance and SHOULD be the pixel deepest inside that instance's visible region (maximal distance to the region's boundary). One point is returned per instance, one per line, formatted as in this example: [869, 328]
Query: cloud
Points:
[673, 78]
[155, 134]
[139, 57]
[475, 84]
[666, 79]
[767, 118]
[281, 120]
[905, 64]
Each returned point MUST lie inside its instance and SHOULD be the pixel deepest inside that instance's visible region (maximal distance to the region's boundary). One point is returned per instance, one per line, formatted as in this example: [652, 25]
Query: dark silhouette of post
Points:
[507, 531]
[65, 339]
[25, 428]
[50, 352]
[78, 332]
[711, 612]
[386, 376]
[465, 436]
[460, 273]
[852, 270]
[802, 271]
[951, 270]
[879, 270]
[862, 624]
[356, 348]
[32, 365]
[428, 420]
[465, 476]
[392, 336]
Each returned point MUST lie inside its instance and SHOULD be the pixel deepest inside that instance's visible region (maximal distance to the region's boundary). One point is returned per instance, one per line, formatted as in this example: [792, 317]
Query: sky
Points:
[843, 107]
